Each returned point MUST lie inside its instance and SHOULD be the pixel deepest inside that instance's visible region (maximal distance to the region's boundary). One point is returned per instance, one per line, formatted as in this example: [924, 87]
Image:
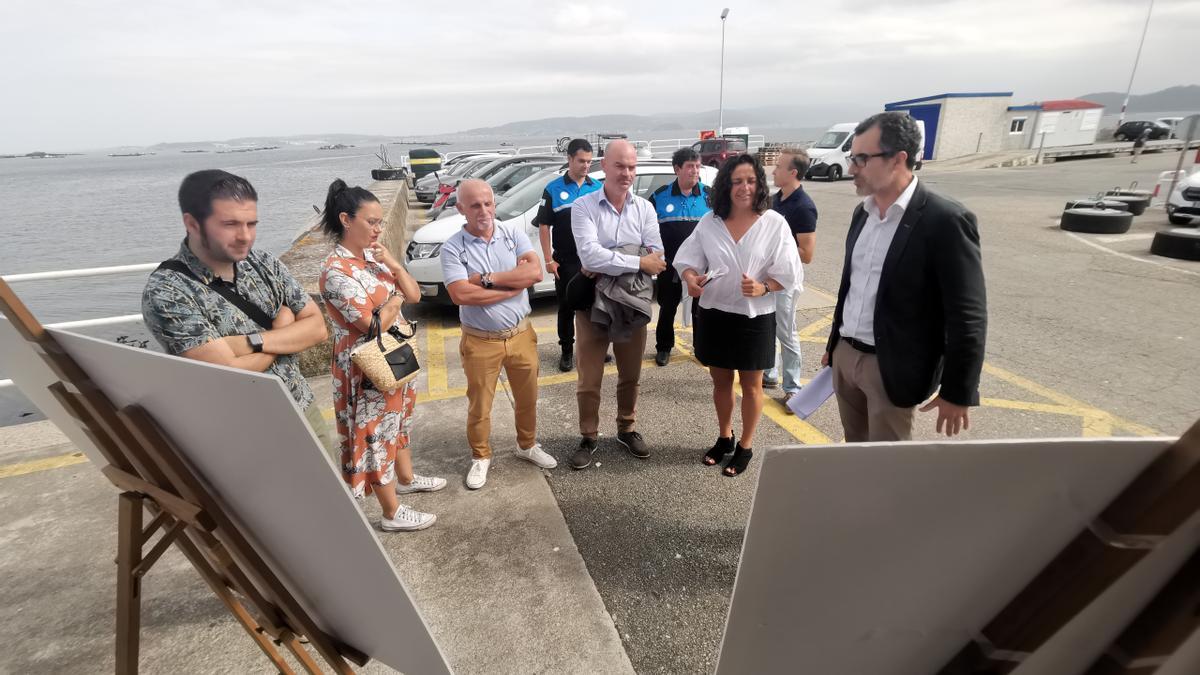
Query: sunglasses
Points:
[860, 160]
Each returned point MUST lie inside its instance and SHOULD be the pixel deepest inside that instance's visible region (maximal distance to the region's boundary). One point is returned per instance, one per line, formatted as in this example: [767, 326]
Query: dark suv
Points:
[714, 151]
[1131, 131]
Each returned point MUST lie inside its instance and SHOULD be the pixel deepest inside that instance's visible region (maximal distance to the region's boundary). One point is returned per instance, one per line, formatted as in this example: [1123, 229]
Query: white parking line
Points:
[1114, 238]
[1131, 257]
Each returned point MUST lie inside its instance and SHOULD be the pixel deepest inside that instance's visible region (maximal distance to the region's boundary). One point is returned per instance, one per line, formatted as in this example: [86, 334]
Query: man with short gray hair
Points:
[489, 267]
[911, 315]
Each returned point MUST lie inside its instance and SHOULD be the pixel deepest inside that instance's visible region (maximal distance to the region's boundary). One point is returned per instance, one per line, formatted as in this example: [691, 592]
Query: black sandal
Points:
[741, 458]
[716, 454]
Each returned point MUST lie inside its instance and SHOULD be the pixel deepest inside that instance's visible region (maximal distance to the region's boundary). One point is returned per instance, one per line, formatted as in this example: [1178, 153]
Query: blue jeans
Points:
[785, 332]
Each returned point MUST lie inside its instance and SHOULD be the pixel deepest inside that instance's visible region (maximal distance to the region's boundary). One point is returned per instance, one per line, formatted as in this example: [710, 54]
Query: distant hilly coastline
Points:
[1170, 99]
[762, 119]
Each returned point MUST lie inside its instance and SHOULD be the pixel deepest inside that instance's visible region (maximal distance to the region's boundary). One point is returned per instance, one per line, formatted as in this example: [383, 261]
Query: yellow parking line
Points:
[10, 470]
[811, 330]
[1031, 406]
[772, 409]
[435, 357]
[1080, 408]
[1098, 426]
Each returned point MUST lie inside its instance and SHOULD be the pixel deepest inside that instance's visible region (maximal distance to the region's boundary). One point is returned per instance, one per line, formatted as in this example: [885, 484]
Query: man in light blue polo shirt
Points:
[488, 267]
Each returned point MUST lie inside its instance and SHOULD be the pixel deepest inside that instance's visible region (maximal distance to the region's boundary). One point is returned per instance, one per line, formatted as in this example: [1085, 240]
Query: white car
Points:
[1183, 206]
[423, 256]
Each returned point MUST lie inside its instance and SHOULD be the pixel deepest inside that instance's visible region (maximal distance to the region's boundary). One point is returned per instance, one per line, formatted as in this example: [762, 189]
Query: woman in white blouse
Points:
[738, 255]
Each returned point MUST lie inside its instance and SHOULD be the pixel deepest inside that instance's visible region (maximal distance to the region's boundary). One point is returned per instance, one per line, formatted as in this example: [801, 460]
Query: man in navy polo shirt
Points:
[558, 244]
[679, 207]
[801, 213]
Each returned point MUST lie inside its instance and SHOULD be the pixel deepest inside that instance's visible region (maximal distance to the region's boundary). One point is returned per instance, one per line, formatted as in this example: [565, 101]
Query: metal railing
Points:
[75, 274]
[659, 148]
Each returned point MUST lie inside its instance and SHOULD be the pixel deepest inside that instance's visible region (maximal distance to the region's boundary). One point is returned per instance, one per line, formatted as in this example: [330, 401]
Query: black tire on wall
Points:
[1137, 204]
[1177, 243]
[1127, 192]
[389, 174]
[1093, 203]
[1096, 221]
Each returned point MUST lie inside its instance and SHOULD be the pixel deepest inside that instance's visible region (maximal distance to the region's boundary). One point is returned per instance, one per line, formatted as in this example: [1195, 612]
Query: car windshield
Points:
[515, 174]
[831, 139]
[469, 165]
[524, 196]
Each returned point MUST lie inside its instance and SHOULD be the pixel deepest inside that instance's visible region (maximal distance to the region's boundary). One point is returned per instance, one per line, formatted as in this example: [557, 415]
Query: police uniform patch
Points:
[564, 195]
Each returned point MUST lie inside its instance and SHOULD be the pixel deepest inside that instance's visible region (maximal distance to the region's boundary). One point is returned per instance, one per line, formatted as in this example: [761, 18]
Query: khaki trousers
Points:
[591, 344]
[867, 413]
[482, 359]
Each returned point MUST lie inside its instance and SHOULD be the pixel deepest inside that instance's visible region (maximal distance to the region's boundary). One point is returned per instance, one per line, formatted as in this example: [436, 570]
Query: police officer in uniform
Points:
[679, 206]
[558, 244]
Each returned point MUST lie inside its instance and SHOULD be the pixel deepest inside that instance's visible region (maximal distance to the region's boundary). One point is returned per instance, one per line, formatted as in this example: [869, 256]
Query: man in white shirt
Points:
[602, 222]
[911, 316]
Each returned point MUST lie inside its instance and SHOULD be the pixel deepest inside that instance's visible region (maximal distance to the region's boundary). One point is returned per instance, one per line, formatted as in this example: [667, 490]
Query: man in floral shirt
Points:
[185, 311]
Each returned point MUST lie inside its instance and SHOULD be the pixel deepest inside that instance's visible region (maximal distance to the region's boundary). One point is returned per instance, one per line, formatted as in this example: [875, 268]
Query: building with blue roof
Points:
[959, 124]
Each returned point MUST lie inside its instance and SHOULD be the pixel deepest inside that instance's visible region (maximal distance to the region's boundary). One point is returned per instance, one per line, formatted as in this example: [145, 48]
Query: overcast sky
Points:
[98, 73]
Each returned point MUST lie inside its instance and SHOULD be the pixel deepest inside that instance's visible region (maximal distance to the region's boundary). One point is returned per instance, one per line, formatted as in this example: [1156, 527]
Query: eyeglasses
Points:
[860, 160]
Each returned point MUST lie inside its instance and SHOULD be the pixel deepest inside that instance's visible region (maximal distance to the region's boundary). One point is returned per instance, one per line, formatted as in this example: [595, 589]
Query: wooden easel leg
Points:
[221, 590]
[129, 583]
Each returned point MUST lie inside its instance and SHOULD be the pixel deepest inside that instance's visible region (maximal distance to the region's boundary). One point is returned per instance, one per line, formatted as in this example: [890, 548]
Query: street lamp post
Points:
[1135, 64]
[721, 90]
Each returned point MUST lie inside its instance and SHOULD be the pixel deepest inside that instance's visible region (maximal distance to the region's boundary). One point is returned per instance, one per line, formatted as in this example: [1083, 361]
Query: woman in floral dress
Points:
[360, 278]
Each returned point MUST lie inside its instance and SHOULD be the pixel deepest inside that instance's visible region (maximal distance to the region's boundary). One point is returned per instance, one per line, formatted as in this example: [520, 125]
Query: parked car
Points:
[1183, 206]
[423, 254]
[1172, 123]
[829, 156]
[503, 180]
[427, 187]
[1132, 130]
[484, 169]
[714, 151]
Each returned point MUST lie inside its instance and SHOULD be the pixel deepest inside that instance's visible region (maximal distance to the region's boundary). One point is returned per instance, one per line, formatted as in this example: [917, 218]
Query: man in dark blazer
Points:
[911, 314]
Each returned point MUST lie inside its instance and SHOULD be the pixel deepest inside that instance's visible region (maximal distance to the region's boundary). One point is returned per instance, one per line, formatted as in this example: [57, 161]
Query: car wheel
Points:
[835, 173]
[1093, 203]
[1120, 137]
[1178, 243]
[1096, 221]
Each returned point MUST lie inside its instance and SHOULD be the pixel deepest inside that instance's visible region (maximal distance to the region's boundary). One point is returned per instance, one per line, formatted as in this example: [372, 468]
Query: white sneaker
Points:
[535, 455]
[477, 475]
[420, 484]
[407, 519]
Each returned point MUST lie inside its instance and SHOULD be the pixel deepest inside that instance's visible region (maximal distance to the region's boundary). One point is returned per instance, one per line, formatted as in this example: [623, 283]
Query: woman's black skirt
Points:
[734, 341]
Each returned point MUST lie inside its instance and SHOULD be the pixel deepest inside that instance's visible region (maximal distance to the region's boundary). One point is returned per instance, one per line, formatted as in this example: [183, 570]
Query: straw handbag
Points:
[387, 359]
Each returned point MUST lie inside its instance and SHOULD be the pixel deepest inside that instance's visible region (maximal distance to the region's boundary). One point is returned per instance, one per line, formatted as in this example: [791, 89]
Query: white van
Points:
[829, 155]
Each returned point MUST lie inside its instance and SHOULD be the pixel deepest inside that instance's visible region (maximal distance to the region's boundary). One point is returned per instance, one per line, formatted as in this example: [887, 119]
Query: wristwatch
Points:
[256, 342]
[766, 291]
[486, 280]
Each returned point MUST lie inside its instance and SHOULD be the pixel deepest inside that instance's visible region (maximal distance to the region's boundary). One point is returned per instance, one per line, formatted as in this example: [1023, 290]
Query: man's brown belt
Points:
[497, 334]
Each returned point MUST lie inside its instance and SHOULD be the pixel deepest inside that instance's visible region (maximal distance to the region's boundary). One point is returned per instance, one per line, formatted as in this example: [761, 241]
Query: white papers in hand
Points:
[713, 274]
[812, 395]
